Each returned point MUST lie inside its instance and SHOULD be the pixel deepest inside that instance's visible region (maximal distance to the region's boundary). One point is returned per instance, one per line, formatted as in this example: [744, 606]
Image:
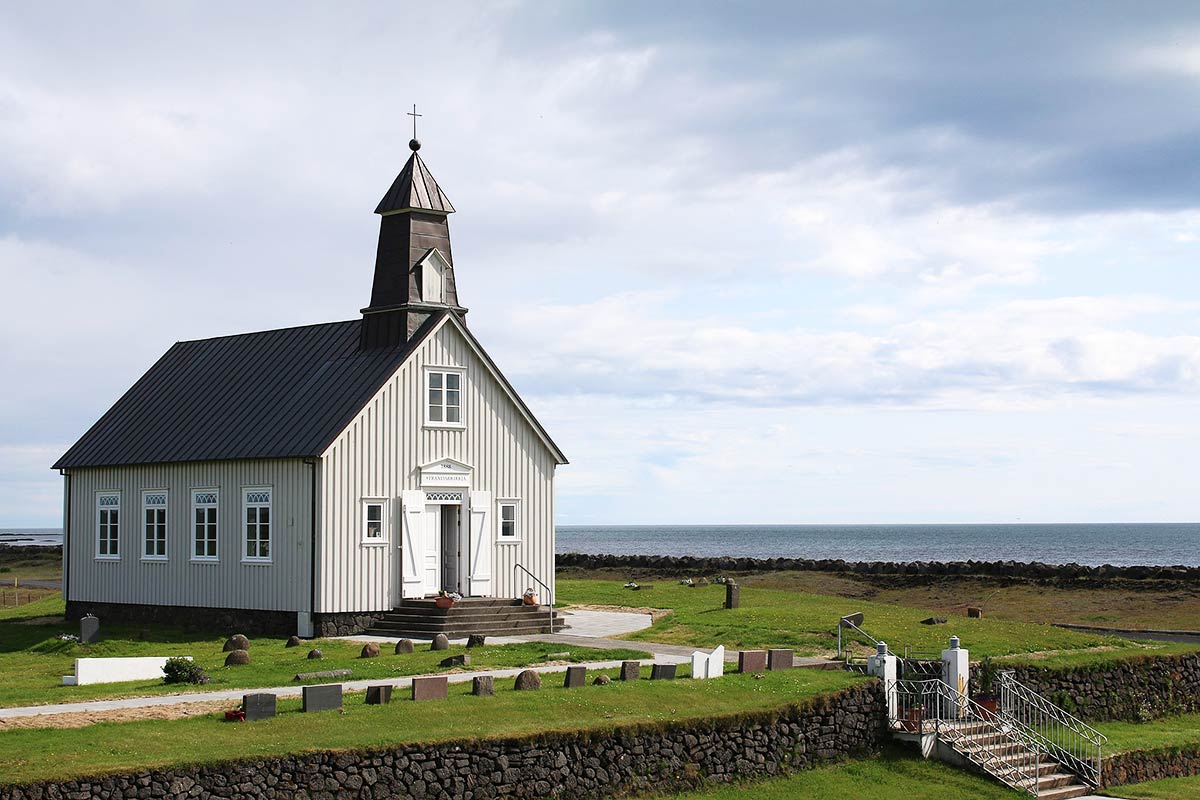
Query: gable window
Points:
[374, 522]
[108, 525]
[154, 520]
[256, 507]
[510, 521]
[204, 524]
[443, 405]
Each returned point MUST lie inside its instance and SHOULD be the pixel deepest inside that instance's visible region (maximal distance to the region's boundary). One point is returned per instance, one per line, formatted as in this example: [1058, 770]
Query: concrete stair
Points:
[488, 616]
[993, 750]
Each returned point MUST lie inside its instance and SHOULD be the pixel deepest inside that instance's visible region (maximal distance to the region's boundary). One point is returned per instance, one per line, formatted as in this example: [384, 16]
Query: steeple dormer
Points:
[414, 267]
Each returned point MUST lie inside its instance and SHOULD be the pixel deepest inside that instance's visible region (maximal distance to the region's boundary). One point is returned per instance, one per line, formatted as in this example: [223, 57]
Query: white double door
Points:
[445, 545]
[444, 549]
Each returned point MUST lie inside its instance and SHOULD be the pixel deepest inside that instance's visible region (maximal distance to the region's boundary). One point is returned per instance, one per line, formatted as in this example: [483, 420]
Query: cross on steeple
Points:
[414, 145]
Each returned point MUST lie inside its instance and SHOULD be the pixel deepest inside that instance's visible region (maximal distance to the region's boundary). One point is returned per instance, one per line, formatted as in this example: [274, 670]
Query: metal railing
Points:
[1002, 750]
[1071, 741]
[538, 581]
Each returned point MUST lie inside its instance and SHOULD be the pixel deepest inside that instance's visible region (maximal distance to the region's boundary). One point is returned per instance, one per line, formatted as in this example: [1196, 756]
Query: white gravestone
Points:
[711, 665]
[699, 664]
[113, 670]
[956, 671]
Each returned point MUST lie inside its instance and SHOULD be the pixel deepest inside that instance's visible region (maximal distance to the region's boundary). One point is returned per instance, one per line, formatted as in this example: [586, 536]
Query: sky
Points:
[766, 263]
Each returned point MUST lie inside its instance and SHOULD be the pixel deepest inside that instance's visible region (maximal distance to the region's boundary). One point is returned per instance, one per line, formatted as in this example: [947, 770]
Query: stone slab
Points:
[321, 698]
[379, 694]
[752, 661]
[733, 595]
[89, 630]
[780, 659]
[576, 677]
[662, 672]
[483, 686]
[631, 670]
[329, 673]
[260, 705]
[113, 670]
[716, 663]
[432, 687]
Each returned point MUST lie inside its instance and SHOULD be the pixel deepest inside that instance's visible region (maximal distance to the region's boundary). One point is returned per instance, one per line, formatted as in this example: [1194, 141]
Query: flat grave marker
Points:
[327, 697]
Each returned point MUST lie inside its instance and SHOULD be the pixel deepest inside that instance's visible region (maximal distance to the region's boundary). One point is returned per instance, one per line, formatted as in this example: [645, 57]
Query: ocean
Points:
[1119, 544]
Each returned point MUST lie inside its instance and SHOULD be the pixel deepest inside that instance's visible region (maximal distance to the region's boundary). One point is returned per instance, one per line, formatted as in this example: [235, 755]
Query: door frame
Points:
[451, 497]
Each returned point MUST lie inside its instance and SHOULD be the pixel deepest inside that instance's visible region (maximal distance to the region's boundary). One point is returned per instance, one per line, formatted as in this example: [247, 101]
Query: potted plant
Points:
[987, 687]
[446, 599]
[530, 597]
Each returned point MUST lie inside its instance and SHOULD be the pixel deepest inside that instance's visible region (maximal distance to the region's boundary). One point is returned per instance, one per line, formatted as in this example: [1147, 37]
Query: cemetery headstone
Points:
[440, 642]
[315, 654]
[662, 672]
[576, 677]
[379, 694]
[934, 621]
[460, 660]
[601, 680]
[733, 595]
[631, 670]
[475, 640]
[329, 673]
[89, 630]
[699, 664]
[974, 612]
[780, 659]
[483, 686]
[260, 705]
[326, 697]
[431, 687]
[369, 650]
[752, 661]
[293, 641]
[528, 680]
[404, 646]
[236, 642]
[716, 662]
[237, 658]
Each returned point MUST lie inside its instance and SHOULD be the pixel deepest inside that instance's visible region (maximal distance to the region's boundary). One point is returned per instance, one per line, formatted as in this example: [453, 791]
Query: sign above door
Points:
[445, 472]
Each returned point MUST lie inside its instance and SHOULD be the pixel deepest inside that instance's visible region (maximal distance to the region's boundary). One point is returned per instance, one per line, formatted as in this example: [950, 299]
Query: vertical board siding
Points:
[282, 585]
[381, 452]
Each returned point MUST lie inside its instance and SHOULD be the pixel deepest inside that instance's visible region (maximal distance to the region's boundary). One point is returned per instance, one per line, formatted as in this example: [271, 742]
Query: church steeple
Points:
[414, 267]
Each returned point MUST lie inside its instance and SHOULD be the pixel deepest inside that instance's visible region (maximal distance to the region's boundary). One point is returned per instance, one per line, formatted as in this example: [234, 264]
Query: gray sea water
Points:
[1119, 544]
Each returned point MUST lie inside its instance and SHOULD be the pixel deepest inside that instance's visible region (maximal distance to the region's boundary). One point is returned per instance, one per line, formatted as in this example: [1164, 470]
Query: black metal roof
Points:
[414, 187]
[273, 394]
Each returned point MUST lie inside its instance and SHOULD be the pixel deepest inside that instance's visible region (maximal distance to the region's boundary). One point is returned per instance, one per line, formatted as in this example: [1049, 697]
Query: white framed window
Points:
[205, 504]
[108, 525]
[444, 397]
[509, 521]
[256, 519]
[374, 521]
[154, 525]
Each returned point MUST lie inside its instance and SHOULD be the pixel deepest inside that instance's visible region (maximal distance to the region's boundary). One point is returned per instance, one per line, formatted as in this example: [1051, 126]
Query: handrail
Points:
[1077, 745]
[912, 705]
[538, 581]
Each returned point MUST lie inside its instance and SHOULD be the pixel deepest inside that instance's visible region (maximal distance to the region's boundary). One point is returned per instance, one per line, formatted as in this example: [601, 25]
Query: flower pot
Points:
[989, 703]
[912, 720]
[443, 602]
[530, 599]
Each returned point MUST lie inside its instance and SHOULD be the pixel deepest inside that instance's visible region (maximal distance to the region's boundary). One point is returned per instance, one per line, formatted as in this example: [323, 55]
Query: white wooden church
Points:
[323, 479]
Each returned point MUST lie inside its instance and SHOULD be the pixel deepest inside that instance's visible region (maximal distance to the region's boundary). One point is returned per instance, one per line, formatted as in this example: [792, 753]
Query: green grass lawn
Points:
[808, 623]
[33, 661]
[1183, 729]
[1166, 789]
[893, 775]
[45, 754]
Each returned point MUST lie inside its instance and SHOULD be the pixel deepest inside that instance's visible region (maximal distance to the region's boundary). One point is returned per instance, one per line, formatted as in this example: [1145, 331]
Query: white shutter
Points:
[480, 578]
[413, 544]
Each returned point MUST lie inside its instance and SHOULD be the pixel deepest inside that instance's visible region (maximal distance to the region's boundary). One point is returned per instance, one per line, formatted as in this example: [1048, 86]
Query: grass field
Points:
[1166, 789]
[33, 660]
[893, 775]
[1183, 729]
[808, 622]
[42, 754]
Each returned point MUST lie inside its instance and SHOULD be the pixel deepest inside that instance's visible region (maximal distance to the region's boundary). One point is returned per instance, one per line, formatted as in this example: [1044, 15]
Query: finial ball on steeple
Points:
[414, 145]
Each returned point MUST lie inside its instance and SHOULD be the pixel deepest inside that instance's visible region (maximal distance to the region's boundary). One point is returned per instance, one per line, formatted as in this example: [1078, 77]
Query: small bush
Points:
[183, 670]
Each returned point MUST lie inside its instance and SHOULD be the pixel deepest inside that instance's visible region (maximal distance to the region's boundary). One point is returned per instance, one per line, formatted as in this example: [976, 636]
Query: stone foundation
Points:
[223, 620]
[1138, 766]
[346, 623]
[579, 765]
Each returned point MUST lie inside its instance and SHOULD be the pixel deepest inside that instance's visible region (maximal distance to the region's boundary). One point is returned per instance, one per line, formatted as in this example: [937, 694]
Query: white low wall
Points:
[113, 670]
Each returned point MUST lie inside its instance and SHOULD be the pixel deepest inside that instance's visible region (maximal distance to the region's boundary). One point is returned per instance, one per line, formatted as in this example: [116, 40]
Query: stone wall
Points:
[585, 764]
[692, 565]
[224, 620]
[1135, 689]
[1137, 766]
[345, 624]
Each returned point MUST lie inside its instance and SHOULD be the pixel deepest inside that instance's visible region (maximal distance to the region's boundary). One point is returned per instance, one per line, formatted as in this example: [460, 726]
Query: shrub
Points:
[183, 670]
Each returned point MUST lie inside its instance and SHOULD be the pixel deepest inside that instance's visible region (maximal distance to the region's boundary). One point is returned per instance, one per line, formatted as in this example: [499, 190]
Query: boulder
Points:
[475, 640]
[601, 680]
[237, 658]
[293, 641]
[404, 646]
[527, 681]
[460, 660]
[440, 642]
[236, 642]
[370, 650]
[314, 654]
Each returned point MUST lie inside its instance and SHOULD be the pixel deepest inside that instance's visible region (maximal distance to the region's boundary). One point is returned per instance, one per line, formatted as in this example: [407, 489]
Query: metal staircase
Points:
[1024, 744]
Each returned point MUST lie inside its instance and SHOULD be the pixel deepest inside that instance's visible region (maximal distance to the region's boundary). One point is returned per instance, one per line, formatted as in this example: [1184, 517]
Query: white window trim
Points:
[166, 525]
[383, 521]
[270, 505]
[462, 397]
[214, 559]
[515, 502]
[120, 524]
